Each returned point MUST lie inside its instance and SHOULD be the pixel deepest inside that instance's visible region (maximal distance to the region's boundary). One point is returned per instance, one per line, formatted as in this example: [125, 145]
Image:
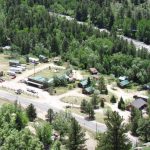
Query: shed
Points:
[122, 78]
[88, 90]
[83, 83]
[93, 70]
[139, 104]
[124, 83]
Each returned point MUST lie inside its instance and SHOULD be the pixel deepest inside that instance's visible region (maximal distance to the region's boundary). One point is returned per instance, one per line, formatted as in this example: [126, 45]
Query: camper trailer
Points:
[33, 60]
[11, 73]
[16, 70]
[22, 67]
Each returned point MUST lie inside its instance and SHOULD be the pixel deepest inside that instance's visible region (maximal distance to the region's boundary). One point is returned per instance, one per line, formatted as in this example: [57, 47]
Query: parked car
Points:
[31, 90]
[2, 80]
[19, 91]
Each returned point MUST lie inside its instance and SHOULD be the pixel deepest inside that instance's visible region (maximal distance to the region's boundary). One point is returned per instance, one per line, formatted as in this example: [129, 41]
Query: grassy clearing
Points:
[2, 101]
[60, 90]
[50, 73]
[74, 99]
[99, 116]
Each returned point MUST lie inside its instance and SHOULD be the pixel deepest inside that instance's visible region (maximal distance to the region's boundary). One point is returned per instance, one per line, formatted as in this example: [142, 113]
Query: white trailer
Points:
[33, 60]
[11, 73]
[16, 70]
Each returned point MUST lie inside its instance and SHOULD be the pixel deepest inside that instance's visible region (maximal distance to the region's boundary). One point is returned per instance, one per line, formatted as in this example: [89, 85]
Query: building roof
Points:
[122, 78]
[124, 83]
[84, 82]
[89, 89]
[39, 78]
[93, 70]
[14, 61]
[138, 103]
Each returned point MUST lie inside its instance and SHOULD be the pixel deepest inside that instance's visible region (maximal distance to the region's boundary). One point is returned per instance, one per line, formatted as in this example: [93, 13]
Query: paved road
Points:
[42, 108]
[138, 44]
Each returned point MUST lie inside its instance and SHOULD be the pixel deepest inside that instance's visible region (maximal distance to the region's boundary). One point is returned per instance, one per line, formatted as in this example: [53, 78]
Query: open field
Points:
[49, 73]
[74, 99]
[99, 116]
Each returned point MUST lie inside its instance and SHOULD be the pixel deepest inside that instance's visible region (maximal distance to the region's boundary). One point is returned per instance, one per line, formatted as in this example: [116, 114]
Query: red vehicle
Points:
[13, 77]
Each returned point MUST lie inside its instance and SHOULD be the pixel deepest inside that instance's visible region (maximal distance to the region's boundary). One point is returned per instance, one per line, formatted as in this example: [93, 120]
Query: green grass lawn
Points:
[74, 100]
[50, 73]
[99, 116]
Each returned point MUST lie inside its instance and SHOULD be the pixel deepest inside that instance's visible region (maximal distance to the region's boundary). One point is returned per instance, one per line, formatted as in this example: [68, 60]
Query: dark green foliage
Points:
[121, 104]
[31, 112]
[83, 106]
[50, 115]
[113, 99]
[90, 111]
[114, 138]
[135, 116]
[102, 87]
[95, 101]
[76, 139]
[102, 103]
[44, 133]
[144, 129]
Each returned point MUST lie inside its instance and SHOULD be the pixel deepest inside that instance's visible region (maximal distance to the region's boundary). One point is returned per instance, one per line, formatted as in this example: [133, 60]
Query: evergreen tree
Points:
[50, 115]
[90, 111]
[102, 103]
[102, 87]
[121, 104]
[135, 116]
[114, 138]
[31, 112]
[94, 101]
[113, 99]
[44, 133]
[76, 137]
[83, 106]
[144, 129]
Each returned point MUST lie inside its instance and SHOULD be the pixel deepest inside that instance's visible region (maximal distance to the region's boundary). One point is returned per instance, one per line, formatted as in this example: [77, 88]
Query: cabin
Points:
[14, 63]
[43, 59]
[83, 83]
[140, 102]
[37, 81]
[89, 90]
[123, 81]
[93, 71]
[57, 60]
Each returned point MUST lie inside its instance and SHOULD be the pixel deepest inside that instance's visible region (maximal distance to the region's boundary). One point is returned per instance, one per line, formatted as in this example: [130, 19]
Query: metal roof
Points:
[124, 83]
[138, 103]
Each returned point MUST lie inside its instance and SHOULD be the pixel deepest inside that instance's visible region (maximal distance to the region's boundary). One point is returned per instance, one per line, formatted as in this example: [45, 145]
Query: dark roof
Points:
[124, 83]
[138, 103]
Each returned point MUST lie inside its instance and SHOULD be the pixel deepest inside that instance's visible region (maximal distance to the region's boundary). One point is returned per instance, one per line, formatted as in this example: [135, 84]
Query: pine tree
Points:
[121, 104]
[76, 137]
[50, 115]
[102, 87]
[83, 106]
[113, 99]
[90, 111]
[94, 100]
[135, 116]
[102, 103]
[19, 122]
[114, 138]
[31, 112]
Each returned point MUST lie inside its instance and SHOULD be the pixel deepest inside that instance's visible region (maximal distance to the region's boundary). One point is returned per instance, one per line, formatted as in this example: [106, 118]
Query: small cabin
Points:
[93, 71]
[43, 59]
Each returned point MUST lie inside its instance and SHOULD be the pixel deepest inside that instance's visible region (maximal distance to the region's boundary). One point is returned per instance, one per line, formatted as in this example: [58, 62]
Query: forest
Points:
[131, 17]
[27, 26]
